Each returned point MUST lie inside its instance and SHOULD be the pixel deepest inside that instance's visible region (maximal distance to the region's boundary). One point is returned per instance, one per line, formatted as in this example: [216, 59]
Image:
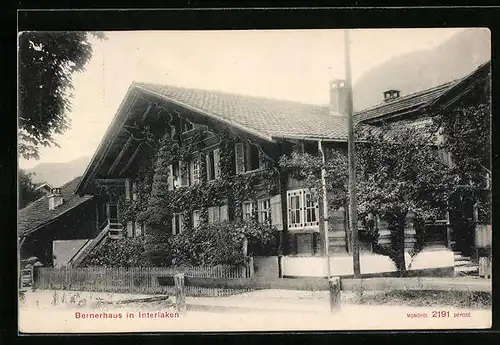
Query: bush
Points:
[219, 243]
[125, 252]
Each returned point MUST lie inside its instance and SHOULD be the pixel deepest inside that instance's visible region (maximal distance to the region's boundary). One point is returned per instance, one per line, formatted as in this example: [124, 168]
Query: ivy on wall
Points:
[156, 203]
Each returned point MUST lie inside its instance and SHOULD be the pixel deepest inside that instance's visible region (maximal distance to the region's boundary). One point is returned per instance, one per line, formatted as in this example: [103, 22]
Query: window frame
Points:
[213, 173]
[244, 212]
[194, 171]
[300, 209]
[247, 157]
[176, 231]
[262, 209]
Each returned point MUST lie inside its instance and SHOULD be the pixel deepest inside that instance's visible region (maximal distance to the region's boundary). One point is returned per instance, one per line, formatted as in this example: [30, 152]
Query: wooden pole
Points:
[334, 287]
[353, 219]
[180, 293]
[323, 211]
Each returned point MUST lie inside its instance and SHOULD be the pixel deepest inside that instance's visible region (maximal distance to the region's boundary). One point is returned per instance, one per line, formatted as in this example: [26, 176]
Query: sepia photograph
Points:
[254, 180]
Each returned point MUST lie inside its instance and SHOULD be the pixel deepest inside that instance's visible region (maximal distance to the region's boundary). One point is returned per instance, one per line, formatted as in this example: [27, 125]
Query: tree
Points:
[47, 61]
[399, 173]
[27, 192]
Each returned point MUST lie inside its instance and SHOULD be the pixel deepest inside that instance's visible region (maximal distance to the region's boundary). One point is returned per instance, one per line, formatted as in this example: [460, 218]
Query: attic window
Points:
[391, 94]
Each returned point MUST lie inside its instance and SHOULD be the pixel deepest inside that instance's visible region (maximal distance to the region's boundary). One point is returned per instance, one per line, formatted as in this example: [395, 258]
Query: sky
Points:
[283, 64]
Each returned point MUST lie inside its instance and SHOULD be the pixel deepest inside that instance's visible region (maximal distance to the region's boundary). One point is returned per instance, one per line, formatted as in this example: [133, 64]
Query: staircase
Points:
[464, 266]
[111, 229]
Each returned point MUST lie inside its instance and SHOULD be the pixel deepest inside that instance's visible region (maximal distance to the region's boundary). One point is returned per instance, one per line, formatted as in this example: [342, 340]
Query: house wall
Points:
[77, 224]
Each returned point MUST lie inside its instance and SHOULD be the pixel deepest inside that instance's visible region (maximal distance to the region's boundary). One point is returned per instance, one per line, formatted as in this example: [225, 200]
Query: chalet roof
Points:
[270, 117]
[37, 214]
[418, 100]
[42, 185]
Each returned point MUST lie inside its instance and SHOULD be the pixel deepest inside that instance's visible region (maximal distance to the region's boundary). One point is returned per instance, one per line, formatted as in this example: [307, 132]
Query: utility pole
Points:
[353, 218]
[323, 211]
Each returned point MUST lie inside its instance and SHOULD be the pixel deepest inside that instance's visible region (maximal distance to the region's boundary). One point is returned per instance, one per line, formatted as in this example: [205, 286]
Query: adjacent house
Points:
[54, 227]
[235, 135]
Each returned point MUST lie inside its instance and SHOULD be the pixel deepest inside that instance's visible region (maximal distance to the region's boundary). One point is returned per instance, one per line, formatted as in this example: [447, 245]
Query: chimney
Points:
[390, 95]
[55, 198]
[338, 97]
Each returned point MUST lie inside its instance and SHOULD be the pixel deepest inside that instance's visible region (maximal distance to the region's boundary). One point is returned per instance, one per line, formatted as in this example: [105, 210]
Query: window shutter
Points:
[127, 189]
[223, 213]
[181, 223]
[183, 171]
[217, 163]
[207, 161]
[138, 229]
[210, 215]
[239, 158]
[170, 178]
[216, 214]
[276, 219]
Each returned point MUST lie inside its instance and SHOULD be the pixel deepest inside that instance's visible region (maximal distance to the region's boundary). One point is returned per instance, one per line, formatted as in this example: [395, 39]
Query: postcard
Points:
[259, 180]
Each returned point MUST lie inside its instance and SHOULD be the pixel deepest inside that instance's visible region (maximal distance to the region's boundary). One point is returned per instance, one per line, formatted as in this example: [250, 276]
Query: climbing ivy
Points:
[156, 204]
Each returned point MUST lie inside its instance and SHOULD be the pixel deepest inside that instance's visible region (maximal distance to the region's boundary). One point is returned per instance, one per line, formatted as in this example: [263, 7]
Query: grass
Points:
[457, 299]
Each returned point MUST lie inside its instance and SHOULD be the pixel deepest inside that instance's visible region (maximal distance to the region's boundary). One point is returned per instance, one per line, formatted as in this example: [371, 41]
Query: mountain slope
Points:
[57, 174]
[420, 70]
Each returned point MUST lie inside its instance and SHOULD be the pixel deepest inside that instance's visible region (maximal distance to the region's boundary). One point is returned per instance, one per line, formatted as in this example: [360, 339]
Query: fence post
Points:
[334, 287]
[180, 294]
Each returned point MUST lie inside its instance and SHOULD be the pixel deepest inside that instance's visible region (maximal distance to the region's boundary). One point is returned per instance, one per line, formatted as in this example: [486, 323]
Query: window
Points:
[213, 165]
[177, 223]
[302, 208]
[184, 166]
[194, 171]
[196, 218]
[217, 214]
[264, 210]
[247, 157]
[311, 207]
[251, 157]
[248, 208]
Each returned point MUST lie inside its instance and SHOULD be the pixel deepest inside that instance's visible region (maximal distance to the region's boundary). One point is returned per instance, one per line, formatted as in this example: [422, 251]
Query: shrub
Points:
[125, 252]
[219, 243]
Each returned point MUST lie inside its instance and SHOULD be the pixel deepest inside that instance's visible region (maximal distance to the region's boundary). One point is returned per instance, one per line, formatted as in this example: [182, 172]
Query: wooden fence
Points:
[136, 279]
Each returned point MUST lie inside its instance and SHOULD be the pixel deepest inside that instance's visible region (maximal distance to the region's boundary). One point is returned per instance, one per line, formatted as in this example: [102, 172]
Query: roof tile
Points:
[273, 118]
[37, 213]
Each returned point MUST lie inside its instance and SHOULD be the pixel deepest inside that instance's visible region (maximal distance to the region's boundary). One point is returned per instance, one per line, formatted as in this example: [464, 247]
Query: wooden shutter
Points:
[239, 158]
[127, 189]
[138, 229]
[211, 215]
[184, 171]
[209, 167]
[217, 163]
[170, 178]
[223, 213]
[276, 219]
